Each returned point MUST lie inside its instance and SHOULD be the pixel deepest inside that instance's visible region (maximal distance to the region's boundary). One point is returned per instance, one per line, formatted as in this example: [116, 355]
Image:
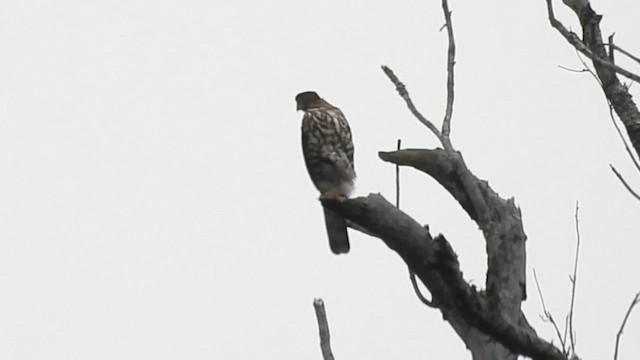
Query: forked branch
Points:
[574, 40]
[451, 61]
[634, 302]
[548, 316]
[624, 183]
[593, 46]
[435, 263]
[404, 94]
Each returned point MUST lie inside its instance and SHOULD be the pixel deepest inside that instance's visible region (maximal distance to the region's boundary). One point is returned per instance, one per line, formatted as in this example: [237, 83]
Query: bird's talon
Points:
[333, 196]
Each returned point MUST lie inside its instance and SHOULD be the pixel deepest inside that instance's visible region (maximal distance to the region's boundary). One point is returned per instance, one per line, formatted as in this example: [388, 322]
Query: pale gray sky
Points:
[154, 202]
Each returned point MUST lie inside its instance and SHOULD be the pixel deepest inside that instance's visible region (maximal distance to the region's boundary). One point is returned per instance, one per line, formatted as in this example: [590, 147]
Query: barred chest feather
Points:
[328, 149]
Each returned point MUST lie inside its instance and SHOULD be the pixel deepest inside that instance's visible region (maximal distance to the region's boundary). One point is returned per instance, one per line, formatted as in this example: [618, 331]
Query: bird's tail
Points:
[337, 232]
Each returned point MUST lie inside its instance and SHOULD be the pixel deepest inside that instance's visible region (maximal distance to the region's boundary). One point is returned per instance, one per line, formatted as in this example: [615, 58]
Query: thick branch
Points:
[624, 141]
[435, 263]
[437, 164]
[501, 224]
[495, 312]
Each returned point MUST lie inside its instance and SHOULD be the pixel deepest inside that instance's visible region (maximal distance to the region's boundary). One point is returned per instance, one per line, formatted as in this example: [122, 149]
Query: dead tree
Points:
[490, 320]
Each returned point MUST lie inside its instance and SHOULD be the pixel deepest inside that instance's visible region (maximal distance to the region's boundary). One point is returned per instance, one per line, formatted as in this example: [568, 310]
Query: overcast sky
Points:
[154, 202]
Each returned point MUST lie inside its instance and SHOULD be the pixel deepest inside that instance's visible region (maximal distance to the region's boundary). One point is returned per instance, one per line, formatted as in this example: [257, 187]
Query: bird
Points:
[327, 147]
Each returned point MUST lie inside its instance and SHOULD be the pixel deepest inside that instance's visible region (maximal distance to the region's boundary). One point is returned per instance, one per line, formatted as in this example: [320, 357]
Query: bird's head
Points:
[306, 99]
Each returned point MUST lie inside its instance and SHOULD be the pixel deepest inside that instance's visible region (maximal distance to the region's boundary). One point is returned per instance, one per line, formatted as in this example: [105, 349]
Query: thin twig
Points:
[414, 283]
[566, 328]
[624, 182]
[548, 317]
[404, 94]
[634, 302]
[574, 40]
[323, 326]
[451, 60]
[469, 181]
[572, 70]
[624, 141]
[586, 67]
[398, 178]
[615, 124]
[624, 52]
[574, 281]
[412, 275]
[611, 116]
[470, 185]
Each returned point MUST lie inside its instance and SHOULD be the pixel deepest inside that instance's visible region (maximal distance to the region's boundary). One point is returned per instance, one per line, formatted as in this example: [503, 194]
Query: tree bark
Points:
[490, 322]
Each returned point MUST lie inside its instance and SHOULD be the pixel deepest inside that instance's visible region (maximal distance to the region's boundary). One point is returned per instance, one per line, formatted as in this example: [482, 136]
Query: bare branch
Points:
[471, 187]
[587, 68]
[435, 163]
[566, 328]
[622, 180]
[436, 264]
[574, 40]
[404, 94]
[634, 302]
[548, 316]
[323, 326]
[451, 172]
[573, 70]
[594, 47]
[613, 46]
[451, 60]
[574, 280]
[613, 119]
[398, 177]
